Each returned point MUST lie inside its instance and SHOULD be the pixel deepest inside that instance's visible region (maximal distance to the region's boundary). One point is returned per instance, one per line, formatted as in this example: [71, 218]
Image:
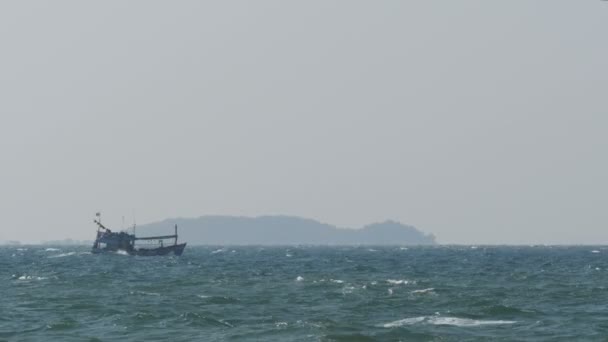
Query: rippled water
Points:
[306, 294]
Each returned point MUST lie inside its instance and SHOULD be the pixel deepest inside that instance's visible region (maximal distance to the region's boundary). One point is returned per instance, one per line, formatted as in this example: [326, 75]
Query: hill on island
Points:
[283, 230]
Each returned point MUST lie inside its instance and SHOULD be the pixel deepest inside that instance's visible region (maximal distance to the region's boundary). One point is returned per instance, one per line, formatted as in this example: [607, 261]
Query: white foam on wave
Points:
[300, 278]
[121, 252]
[438, 320]
[423, 291]
[62, 255]
[595, 251]
[52, 250]
[348, 289]
[288, 255]
[221, 250]
[27, 277]
[399, 281]
[337, 281]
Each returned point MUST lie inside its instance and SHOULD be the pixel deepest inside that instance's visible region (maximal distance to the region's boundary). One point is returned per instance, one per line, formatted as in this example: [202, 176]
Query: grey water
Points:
[306, 293]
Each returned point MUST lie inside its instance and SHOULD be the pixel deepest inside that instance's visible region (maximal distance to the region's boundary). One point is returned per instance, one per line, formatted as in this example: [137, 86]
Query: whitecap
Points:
[280, 324]
[403, 248]
[225, 323]
[402, 322]
[300, 278]
[337, 281]
[437, 320]
[398, 281]
[27, 277]
[423, 291]
[595, 251]
[22, 249]
[62, 255]
[221, 250]
[348, 289]
[121, 252]
[288, 255]
[52, 250]
[390, 292]
[372, 250]
[474, 247]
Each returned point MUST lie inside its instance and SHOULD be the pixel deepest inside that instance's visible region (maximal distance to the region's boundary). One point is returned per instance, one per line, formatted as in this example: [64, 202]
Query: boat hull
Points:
[159, 251]
[175, 249]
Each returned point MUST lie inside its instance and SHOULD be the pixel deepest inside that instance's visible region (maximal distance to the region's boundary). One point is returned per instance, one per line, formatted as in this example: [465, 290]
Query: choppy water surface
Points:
[306, 294]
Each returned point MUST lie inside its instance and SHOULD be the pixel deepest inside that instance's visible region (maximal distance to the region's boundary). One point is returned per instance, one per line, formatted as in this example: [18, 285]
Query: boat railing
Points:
[164, 237]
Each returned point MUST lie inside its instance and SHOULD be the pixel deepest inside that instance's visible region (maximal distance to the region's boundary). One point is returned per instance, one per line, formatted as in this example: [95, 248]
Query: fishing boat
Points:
[109, 241]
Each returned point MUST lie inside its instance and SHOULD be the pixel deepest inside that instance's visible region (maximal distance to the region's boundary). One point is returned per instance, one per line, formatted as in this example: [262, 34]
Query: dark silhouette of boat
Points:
[109, 241]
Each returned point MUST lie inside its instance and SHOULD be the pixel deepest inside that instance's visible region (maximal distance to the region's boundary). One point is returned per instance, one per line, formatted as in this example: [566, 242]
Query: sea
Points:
[306, 293]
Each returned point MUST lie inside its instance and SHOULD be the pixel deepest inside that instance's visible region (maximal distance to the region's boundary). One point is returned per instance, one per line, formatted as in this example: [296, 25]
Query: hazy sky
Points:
[480, 121]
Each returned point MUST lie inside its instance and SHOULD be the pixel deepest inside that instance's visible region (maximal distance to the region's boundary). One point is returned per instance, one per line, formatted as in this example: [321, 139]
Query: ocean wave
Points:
[28, 277]
[399, 281]
[438, 320]
[221, 250]
[423, 291]
[52, 250]
[218, 299]
[300, 278]
[144, 293]
[199, 320]
[348, 289]
[62, 255]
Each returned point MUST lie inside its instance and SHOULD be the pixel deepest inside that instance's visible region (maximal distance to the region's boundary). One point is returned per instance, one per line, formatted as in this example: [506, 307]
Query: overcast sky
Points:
[479, 121]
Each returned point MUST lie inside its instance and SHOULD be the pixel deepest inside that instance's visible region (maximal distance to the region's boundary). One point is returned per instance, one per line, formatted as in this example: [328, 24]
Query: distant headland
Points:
[284, 230]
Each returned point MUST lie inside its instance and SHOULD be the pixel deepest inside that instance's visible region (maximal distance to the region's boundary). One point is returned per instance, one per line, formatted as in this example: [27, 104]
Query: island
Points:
[285, 230]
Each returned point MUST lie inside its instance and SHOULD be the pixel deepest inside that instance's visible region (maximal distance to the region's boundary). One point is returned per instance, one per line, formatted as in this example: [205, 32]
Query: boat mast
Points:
[96, 244]
[175, 243]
